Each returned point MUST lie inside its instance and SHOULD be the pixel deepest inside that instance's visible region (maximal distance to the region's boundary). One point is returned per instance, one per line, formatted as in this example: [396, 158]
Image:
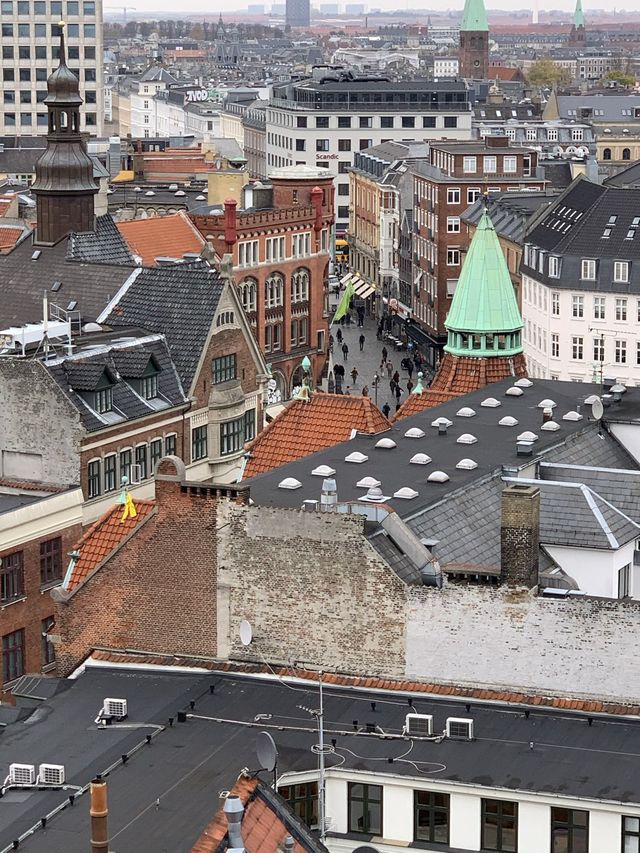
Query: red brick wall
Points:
[226, 342]
[27, 613]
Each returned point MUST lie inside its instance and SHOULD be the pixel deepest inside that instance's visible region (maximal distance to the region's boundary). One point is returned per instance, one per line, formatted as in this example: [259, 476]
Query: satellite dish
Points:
[266, 751]
[597, 409]
[246, 633]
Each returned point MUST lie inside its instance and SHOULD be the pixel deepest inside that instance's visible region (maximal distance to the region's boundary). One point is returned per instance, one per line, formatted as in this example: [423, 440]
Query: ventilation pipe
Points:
[442, 429]
[99, 811]
[547, 414]
[234, 810]
[289, 844]
[328, 496]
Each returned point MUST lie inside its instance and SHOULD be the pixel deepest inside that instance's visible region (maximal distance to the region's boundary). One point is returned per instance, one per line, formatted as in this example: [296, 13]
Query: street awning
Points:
[362, 289]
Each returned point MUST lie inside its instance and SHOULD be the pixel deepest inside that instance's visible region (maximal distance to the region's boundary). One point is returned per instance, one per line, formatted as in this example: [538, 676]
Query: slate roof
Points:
[177, 301]
[577, 199]
[104, 246]
[167, 237]
[613, 107]
[619, 486]
[102, 540]
[629, 177]
[510, 212]
[304, 428]
[157, 74]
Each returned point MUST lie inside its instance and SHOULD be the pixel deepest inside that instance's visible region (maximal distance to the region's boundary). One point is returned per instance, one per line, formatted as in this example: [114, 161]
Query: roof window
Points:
[357, 457]
[405, 493]
[437, 477]
[420, 459]
[467, 465]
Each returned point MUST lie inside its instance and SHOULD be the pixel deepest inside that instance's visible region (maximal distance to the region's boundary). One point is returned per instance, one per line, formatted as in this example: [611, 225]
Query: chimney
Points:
[234, 810]
[520, 535]
[99, 811]
[328, 496]
[547, 414]
[316, 203]
[230, 232]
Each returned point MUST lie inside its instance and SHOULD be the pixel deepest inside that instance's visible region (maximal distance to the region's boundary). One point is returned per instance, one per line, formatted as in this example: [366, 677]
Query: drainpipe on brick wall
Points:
[99, 812]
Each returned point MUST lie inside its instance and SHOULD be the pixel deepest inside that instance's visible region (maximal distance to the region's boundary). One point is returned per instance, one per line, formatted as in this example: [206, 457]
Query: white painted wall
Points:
[596, 572]
[604, 832]
[464, 821]
[534, 828]
[397, 814]
[629, 437]
[49, 515]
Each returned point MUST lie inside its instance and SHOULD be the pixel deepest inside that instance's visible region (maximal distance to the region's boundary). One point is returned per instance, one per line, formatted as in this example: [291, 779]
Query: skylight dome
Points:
[420, 459]
[356, 456]
[414, 432]
[546, 404]
[514, 391]
[386, 444]
[367, 483]
[508, 421]
[406, 493]
[441, 422]
[466, 412]
[437, 477]
[289, 483]
[467, 464]
[572, 416]
[590, 400]
[524, 382]
[466, 438]
[491, 403]
[550, 426]
[323, 471]
[527, 435]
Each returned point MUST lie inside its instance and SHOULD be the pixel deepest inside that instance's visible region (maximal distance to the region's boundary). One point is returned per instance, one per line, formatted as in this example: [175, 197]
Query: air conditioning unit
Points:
[22, 774]
[459, 728]
[418, 725]
[51, 774]
[115, 708]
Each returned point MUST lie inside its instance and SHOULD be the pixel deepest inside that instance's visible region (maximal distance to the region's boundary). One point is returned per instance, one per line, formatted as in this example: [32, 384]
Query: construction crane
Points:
[123, 9]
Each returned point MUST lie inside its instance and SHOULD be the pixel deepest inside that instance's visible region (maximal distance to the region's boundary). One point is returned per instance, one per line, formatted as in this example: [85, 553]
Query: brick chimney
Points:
[520, 535]
[98, 811]
[230, 227]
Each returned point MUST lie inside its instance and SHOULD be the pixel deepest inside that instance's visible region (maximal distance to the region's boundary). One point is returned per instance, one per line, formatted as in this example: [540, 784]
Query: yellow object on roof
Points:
[124, 175]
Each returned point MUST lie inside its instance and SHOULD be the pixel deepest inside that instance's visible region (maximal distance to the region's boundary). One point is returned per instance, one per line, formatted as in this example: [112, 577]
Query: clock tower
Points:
[474, 41]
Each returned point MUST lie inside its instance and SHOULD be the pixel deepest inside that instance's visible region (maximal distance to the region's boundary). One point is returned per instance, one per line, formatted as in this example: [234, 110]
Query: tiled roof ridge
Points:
[546, 699]
[27, 485]
[104, 518]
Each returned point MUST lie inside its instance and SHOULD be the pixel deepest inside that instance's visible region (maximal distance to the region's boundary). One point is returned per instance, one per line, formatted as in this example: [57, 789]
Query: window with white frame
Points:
[576, 134]
[273, 290]
[248, 294]
[490, 165]
[453, 224]
[300, 286]
[510, 165]
[301, 245]
[247, 253]
[555, 345]
[621, 272]
[472, 194]
[588, 269]
[453, 257]
[554, 267]
[599, 308]
[274, 248]
[598, 349]
[621, 309]
[469, 165]
[453, 195]
[577, 306]
[577, 348]
[552, 134]
[532, 134]
[621, 352]
[555, 304]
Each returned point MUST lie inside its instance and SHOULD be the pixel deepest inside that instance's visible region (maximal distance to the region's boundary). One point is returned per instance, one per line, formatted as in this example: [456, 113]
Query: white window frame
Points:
[588, 269]
[453, 224]
[453, 257]
[453, 195]
[473, 193]
[620, 351]
[510, 164]
[621, 309]
[555, 303]
[555, 345]
[599, 308]
[577, 348]
[621, 272]
[554, 266]
[469, 165]
[490, 164]
[577, 306]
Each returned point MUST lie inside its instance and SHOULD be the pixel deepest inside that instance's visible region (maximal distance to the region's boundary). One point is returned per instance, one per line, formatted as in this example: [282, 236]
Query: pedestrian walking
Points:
[348, 318]
[354, 374]
[409, 368]
[365, 391]
[345, 351]
[398, 393]
[386, 410]
[348, 391]
[409, 386]
[339, 336]
[379, 331]
[389, 369]
[330, 343]
[384, 354]
[396, 377]
[361, 341]
[392, 386]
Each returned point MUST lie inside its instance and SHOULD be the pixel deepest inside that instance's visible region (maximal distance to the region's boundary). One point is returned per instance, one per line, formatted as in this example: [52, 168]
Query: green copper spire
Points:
[578, 15]
[474, 17]
[484, 319]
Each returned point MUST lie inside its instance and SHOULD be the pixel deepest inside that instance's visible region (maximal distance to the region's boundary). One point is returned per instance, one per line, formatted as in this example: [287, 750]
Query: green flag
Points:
[343, 306]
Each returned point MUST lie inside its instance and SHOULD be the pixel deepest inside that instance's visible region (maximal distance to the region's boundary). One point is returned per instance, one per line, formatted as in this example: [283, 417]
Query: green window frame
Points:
[431, 816]
[499, 822]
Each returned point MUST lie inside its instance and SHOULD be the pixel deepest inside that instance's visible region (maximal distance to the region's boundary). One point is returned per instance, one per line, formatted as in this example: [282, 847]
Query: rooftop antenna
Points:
[267, 753]
[319, 750]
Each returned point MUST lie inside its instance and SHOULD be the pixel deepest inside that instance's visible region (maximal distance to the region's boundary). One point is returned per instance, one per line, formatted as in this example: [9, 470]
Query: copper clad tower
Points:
[64, 185]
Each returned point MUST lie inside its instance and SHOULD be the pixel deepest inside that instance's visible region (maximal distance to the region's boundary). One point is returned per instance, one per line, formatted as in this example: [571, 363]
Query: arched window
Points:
[63, 120]
[300, 286]
[273, 290]
[606, 154]
[248, 294]
[626, 154]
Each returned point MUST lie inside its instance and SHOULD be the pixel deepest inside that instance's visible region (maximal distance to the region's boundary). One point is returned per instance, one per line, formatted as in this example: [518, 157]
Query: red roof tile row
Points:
[161, 237]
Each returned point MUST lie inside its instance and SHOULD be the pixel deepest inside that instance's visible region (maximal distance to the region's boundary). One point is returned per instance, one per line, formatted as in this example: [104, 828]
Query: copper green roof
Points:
[474, 17]
[578, 15]
[484, 302]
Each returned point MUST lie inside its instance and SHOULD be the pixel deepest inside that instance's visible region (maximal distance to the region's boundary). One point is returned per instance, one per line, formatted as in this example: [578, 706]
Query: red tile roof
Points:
[424, 687]
[161, 237]
[26, 485]
[503, 72]
[103, 539]
[9, 237]
[416, 403]
[307, 427]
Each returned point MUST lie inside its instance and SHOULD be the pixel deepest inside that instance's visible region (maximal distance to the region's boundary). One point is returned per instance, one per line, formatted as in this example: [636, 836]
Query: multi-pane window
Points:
[453, 257]
[321, 145]
[453, 195]
[170, 445]
[231, 436]
[110, 472]
[554, 267]
[48, 649]
[247, 253]
[155, 453]
[51, 560]
[577, 306]
[599, 311]
[598, 349]
[588, 270]
[149, 386]
[303, 800]
[11, 577]
[469, 166]
[103, 400]
[274, 248]
[248, 294]
[555, 345]
[499, 822]
[125, 463]
[621, 272]
[510, 165]
[577, 348]
[555, 304]
[490, 165]
[300, 286]
[273, 290]
[224, 368]
[431, 816]
[365, 808]
[624, 581]
[199, 443]
[621, 352]
[621, 309]
[453, 224]
[13, 655]
[301, 243]
[631, 834]
[472, 194]
[93, 478]
[569, 831]
[141, 461]
[249, 424]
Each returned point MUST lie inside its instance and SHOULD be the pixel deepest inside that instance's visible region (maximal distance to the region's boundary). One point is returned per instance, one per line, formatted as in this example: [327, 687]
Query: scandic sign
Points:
[326, 156]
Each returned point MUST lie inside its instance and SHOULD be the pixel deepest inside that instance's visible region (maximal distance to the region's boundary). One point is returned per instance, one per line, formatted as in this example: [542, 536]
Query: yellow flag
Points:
[130, 510]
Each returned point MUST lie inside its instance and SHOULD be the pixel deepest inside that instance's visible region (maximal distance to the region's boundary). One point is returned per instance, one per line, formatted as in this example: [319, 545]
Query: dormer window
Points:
[149, 386]
[103, 400]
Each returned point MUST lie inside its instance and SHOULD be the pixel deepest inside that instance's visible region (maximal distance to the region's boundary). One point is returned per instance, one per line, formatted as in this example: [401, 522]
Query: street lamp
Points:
[375, 382]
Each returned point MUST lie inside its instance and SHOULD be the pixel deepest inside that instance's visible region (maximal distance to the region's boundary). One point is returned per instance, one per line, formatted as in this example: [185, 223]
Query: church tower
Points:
[64, 187]
[578, 34]
[474, 41]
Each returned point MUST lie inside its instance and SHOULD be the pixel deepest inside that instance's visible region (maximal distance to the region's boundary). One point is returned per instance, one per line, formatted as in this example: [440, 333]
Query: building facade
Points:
[474, 41]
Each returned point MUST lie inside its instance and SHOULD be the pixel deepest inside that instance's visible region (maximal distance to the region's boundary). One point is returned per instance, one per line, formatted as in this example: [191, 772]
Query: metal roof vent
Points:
[527, 435]
[406, 493]
[523, 383]
[328, 495]
[234, 812]
[508, 421]
[367, 483]
[466, 438]
[524, 448]
[323, 471]
[439, 422]
[289, 483]
[467, 465]
[550, 426]
[414, 432]
[374, 494]
[466, 412]
[546, 404]
[356, 457]
[420, 459]
[437, 477]
[572, 416]
[490, 403]
[386, 444]
[618, 389]
[514, 392]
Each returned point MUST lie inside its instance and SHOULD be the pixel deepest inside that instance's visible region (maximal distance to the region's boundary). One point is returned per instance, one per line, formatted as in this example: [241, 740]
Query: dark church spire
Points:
[64, 185]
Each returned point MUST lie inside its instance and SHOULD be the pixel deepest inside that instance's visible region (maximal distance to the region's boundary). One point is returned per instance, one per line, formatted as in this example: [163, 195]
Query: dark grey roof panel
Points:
[105, 245]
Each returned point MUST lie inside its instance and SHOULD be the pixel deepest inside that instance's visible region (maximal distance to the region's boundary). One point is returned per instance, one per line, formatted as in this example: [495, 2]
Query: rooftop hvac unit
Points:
[51, 774]
[115, 708]
[419, 725]
[22, 774]
[459, 728]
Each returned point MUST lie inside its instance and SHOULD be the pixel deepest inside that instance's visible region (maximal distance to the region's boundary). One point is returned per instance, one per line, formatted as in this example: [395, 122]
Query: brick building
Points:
[473, 51]
[457, 174]
[38, 527]
[279, 244]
